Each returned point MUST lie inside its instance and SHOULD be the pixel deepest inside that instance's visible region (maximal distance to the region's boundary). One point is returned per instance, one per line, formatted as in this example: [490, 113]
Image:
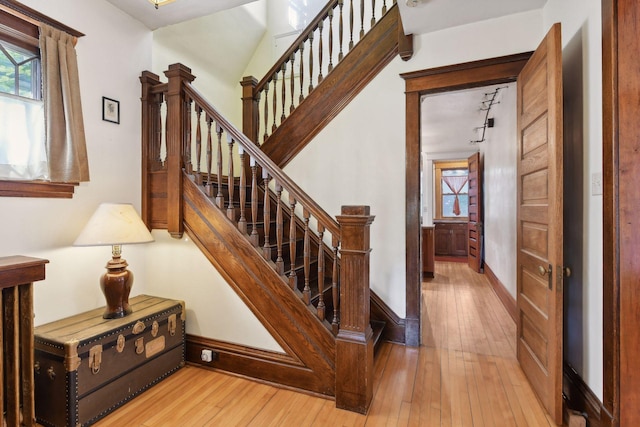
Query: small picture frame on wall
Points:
[110, 110]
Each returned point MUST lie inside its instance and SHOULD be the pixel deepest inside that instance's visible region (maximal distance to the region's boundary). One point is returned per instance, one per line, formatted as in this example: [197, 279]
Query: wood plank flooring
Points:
[464, 374]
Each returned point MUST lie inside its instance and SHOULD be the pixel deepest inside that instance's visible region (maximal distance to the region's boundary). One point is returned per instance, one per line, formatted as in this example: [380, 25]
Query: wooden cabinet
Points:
[451, 239]
[428, 252]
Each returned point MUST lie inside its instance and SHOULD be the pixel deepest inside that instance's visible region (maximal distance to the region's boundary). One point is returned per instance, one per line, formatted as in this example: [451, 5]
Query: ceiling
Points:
[433, 15]
[448, 120]
[173, 13]
[425, 17]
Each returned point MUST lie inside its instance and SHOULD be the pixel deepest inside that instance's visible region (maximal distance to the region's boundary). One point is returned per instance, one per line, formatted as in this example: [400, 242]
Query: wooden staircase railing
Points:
[266, 207]
[353, 57]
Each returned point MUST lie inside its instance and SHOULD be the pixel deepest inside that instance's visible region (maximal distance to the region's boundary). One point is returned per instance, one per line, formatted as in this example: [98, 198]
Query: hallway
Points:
[465, 374]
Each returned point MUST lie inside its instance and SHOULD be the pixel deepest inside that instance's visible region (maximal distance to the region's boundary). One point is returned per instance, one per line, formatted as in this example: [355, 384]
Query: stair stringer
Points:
[372, 54]
[305, 340]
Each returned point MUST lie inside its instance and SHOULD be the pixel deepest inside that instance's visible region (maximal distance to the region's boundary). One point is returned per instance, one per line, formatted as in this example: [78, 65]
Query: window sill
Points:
[54, 190]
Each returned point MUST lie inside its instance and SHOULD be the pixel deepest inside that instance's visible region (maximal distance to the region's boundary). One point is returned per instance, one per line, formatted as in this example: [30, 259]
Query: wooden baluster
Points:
[330, 41]
[320, 49]
[340, 30]
[335, 289]
[384, 7]
[361, 19]
[351, 26]
[157, 133]
[306, 254]
[293, 278]
[198, 141]
[209, 186]
[219, 196]
[186, 142]
[266, 249]
[284, 91]
[242, 222]
[321, 305]
[255, 238]
[293, 82]
[373, 13]
[301, 98]
[275, 101]
[310, 62]
[279, 230]
[266, 111]
[231, 210]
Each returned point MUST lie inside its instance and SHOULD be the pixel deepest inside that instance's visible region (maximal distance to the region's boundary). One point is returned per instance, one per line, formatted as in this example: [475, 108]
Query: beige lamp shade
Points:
[114, 224]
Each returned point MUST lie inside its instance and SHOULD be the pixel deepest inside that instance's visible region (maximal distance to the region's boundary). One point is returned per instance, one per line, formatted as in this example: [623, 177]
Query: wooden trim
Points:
[394, 328]
[471, 74]
[278, 369]
[42, 189]
[503, 294]
[611, 202]
[439, 166]
[579, 397]
[34, 17]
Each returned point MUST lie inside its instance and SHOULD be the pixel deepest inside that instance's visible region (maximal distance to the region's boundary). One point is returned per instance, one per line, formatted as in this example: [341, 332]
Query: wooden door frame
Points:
[621, 267]
[418, 83]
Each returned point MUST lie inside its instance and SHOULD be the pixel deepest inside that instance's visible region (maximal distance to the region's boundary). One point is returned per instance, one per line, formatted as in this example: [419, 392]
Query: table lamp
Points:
[115, 225]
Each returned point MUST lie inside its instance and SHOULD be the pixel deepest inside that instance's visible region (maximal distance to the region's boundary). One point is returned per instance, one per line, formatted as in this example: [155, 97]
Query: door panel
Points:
[474, 239]
[540, 233]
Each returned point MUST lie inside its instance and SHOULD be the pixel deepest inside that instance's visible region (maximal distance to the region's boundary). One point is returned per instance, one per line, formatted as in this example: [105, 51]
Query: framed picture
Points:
[110, 110]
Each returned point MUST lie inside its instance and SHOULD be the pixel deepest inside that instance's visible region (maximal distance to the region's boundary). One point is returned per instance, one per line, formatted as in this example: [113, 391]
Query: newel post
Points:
[176, 113]
[250, 109]
[150, 143]
[354, 344]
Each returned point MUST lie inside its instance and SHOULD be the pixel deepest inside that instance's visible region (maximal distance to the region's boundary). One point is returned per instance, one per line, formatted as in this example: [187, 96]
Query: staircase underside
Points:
[348, 78]
[308, 344]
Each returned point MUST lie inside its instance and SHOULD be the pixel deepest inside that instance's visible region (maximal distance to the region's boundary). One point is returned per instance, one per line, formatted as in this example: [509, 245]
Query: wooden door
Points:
[474, 249]
[539, 259]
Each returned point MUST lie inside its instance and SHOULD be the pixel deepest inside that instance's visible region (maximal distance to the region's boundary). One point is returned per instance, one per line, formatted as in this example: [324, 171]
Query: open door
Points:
[474, 249]
[540, 268]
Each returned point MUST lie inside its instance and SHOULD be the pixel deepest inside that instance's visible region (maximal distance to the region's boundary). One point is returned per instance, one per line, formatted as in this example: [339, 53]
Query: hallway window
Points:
[451, 189]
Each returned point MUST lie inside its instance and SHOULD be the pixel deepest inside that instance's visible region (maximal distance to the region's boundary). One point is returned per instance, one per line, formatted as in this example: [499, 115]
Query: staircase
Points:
[304, 274]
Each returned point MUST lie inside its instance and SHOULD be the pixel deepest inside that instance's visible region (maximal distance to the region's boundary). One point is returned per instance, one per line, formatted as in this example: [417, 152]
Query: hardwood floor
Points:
[464, 374]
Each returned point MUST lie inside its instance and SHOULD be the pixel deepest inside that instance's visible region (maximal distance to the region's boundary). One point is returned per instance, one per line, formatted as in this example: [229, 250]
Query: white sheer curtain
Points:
[23, 154]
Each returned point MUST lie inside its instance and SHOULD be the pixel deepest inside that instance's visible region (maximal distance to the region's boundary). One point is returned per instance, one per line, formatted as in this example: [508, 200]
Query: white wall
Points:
[581, 31]
[499, 152]
[47, 228]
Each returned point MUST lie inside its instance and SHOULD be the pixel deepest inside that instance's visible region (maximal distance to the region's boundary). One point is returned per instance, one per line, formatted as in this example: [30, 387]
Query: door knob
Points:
[542, 271]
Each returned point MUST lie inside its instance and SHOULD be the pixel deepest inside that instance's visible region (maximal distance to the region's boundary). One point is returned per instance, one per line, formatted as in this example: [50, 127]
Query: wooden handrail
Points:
[274, 171]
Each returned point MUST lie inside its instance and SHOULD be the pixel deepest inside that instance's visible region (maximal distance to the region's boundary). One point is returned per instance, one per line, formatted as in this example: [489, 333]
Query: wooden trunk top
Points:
[86, 326]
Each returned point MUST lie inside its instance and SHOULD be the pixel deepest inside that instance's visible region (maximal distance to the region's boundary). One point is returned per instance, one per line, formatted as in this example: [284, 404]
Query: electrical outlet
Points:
[206, 355]
[596, 184]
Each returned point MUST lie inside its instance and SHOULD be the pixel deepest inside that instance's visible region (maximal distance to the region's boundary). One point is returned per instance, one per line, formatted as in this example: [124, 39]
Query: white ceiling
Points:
[425, 17]
[448, 119]
[433, 15]
[173, 13]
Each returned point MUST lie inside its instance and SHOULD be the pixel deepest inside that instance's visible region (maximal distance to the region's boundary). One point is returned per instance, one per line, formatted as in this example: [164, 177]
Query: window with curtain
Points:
[42, 143]
[22, 141]
[451, 190]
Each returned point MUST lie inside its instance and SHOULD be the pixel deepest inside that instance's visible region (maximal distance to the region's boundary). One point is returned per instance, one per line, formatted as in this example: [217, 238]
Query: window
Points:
[23, 154]
[451, 189]
[24, 170]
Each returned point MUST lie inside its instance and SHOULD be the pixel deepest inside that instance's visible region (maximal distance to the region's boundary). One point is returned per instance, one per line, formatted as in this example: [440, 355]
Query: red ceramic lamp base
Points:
[116, 285]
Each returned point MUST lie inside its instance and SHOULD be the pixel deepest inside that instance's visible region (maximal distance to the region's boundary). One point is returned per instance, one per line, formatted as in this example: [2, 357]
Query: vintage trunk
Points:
[87, 366]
